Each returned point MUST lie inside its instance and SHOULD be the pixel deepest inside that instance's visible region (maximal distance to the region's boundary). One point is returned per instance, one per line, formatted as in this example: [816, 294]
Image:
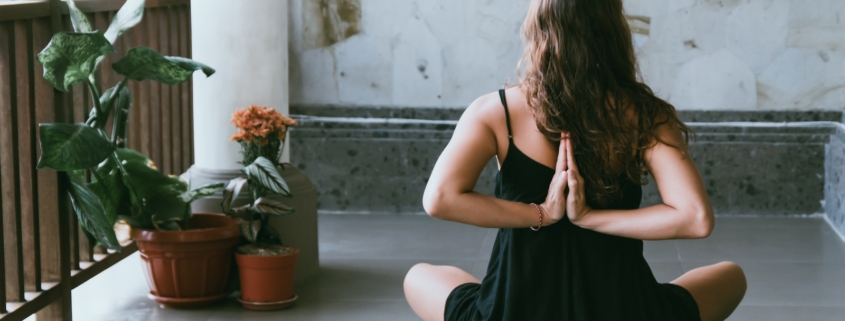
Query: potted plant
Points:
[266, 266]
[108, 183]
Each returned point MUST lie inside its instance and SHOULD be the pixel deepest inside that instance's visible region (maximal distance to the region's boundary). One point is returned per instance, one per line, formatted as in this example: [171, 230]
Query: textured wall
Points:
[698, 54]
[378, 166]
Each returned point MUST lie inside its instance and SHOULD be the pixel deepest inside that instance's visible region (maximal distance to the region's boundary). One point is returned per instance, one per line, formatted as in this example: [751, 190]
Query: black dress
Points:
[564, 272]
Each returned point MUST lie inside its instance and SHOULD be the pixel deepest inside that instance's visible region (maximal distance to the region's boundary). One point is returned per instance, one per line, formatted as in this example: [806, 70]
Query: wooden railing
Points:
[45, 254]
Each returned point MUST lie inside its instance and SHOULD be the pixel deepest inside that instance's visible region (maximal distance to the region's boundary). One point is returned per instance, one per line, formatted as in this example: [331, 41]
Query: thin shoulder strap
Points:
[507, 114]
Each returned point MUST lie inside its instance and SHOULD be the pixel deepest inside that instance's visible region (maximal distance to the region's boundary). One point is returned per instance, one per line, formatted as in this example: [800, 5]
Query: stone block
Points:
[817, 25]
[363, 71]
[689, 33]
[757, 31]
[802, 79]
[651, 8]
[469, 71]
[417, 66]
[658, 68]
[715, 81]
[312, 77]
[758, 178]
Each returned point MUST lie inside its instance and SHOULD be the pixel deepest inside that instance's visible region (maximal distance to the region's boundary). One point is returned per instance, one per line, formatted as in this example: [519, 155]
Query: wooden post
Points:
[27, 153]
[55, 222]
[10, 203]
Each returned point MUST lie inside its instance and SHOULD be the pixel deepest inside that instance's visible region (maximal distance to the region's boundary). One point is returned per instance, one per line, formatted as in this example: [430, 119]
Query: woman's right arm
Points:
[449, 193]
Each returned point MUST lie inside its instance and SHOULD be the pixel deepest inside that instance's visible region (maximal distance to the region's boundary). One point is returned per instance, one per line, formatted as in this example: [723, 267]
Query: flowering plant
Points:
[261, 132]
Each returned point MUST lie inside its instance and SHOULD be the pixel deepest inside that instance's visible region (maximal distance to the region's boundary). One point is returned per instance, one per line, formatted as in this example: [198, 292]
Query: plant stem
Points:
[123, 172]
[281, 151]
[120, 117]
[95, 96]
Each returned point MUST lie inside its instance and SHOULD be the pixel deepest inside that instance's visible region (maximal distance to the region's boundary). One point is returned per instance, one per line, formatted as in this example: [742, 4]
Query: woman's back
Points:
[564, 272]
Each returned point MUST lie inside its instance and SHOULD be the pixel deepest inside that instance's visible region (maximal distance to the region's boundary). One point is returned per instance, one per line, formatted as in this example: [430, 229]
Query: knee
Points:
[415, 273]
[736, 274]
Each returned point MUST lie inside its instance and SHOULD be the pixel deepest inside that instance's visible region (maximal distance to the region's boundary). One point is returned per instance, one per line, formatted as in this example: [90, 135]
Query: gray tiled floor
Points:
[794, 268]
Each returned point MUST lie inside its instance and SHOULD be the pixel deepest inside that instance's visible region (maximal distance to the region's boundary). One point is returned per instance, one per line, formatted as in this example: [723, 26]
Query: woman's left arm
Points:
[686, 212]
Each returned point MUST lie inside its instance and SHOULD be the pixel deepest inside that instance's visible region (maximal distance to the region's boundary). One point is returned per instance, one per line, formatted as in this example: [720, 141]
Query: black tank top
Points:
[564, 272]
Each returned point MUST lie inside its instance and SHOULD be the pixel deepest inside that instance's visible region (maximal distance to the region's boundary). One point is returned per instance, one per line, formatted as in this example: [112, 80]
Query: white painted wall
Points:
[698, 54]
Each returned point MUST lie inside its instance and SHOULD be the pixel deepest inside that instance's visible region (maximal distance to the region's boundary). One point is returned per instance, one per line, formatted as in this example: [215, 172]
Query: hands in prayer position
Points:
[566, 192]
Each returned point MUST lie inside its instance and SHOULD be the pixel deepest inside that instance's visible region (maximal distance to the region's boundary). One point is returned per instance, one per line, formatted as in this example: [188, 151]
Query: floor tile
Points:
[790, 283]
[763, 222]
[346, 311]
[661, 250]
[794, 268]
[411, 237]
[765, 244]
[343, 279]
[488, 243]
[479, 269]
[666, 271]
[768, 313]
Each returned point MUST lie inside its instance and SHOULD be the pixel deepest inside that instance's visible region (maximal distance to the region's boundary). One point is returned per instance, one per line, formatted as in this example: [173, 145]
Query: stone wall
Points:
[378, 160]
[698, 54]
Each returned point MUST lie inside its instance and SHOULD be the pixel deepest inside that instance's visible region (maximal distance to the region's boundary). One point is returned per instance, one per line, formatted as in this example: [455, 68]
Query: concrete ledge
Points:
[381, 165]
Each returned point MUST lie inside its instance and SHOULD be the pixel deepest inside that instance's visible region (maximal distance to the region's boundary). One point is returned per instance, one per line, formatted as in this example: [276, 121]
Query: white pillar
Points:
[247, 43]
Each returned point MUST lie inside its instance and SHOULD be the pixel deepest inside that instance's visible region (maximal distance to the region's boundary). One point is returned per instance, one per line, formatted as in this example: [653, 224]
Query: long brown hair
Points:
[579, 73]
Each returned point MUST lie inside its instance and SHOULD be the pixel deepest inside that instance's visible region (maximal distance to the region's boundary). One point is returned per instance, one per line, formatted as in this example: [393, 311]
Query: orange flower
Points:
[260, 122]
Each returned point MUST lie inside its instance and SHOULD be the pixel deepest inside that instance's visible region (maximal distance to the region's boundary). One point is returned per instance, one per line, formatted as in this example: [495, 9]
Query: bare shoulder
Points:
[486, 108]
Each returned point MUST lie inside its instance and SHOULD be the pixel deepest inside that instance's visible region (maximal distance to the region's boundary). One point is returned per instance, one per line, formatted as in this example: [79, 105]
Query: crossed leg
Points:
[427, 287]
[718, 289]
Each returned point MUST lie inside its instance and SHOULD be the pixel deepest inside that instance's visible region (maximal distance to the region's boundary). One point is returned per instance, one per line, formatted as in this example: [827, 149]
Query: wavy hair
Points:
[579, 72]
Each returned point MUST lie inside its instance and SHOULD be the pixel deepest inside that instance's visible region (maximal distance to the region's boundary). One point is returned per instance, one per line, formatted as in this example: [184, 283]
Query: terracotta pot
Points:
[189, 268]
[267, 281]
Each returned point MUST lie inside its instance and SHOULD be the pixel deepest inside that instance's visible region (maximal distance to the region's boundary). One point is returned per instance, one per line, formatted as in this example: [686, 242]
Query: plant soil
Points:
[265, 250]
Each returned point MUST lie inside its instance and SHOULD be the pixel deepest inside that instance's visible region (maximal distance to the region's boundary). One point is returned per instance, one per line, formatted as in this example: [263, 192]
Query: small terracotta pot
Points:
[267, 281]
[189, 268]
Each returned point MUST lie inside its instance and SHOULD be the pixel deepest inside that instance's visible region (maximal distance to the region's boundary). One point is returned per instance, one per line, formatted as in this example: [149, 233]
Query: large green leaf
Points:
[127, 17]
[67, 147]
[71, 57]
[92, 216]
[270, 206]
[129, 155]
[143, 63]
[159, 193]
[263, 173]
[156, 202]
[78, 18]
[244, 212]
[231, 193]
[201, 192]
[250, 230]
[113, 193]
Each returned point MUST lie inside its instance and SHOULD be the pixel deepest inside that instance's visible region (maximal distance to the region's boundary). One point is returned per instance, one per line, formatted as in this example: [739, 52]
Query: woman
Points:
[574, 141]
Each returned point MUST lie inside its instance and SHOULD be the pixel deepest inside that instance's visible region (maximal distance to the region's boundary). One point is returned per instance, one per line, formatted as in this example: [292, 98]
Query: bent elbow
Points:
[432, 203]
[703, 225]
